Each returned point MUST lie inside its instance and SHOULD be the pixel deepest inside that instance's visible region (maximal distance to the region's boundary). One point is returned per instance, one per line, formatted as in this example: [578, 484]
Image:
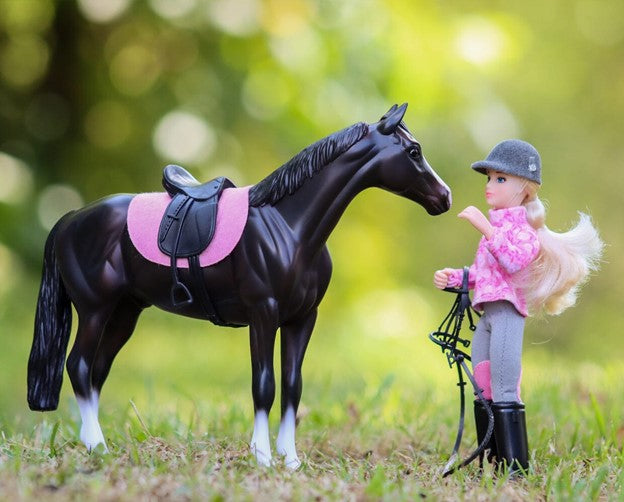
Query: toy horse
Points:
[274, 277]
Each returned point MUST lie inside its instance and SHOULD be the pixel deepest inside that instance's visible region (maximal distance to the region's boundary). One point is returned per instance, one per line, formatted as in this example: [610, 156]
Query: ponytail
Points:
[552, 281]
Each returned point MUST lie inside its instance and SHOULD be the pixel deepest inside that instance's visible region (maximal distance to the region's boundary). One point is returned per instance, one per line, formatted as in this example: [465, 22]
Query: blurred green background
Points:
[96, 96]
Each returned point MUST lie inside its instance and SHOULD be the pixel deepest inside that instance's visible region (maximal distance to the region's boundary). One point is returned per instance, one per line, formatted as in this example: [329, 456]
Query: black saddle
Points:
[186, 229]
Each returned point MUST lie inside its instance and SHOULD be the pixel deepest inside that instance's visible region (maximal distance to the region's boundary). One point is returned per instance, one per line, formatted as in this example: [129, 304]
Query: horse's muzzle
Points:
[440, 204]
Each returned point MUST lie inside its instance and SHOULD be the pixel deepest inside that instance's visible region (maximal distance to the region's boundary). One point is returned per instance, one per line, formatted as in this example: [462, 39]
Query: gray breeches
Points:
[498, 339]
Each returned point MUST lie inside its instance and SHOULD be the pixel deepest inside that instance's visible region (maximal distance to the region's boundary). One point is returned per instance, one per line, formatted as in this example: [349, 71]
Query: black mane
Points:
[290, 176]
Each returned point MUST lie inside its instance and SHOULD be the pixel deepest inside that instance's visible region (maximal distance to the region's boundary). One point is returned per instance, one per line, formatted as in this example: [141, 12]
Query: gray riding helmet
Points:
[513, 156]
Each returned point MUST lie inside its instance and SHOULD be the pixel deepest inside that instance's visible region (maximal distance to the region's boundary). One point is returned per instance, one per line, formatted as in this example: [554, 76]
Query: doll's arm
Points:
[457, 277]
[453, 278]
[478, 220]
[514, 250]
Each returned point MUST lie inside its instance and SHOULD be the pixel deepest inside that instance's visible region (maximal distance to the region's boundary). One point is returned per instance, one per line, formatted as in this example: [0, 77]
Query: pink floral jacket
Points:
[511, 248]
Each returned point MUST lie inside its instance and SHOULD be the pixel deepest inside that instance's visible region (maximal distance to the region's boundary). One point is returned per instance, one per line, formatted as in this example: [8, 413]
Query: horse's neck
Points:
[313, 211]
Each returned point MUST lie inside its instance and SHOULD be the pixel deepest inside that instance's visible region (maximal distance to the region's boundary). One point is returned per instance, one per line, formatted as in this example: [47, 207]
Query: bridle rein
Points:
[447, 337]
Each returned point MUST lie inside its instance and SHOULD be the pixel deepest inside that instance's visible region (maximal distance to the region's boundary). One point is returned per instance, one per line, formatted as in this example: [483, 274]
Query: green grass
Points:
[205, 457]
[387, 443]
[377, 422]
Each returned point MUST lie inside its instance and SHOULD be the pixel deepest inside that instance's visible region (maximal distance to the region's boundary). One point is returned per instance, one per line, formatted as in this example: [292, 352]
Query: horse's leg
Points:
[294, 341]
[119, 328]
[262, 331]
[79, 367]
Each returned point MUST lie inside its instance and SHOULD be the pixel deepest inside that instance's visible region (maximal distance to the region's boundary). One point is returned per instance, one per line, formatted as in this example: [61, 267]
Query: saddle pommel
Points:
[177, 180]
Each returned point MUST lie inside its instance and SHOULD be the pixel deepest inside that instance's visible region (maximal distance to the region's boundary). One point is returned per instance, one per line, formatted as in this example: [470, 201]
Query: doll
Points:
[521, 268]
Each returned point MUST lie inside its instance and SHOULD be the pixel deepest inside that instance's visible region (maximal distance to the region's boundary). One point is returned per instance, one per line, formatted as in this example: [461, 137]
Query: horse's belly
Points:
[151, 284]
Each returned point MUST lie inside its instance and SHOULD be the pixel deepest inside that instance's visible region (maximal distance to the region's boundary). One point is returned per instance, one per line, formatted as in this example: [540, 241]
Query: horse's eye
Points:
[414, 152]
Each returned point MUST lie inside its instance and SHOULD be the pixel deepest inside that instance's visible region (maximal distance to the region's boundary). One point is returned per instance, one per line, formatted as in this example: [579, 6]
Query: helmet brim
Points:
[483, 165]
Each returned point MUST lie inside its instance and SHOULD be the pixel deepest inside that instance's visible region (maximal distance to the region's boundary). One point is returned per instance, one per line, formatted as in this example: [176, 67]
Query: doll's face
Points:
[504, 190]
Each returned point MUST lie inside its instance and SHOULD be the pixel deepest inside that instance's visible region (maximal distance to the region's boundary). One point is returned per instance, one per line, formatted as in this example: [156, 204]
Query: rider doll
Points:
[521, 268]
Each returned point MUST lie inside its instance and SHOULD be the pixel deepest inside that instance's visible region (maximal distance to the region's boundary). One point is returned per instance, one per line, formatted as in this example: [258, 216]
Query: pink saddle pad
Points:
[147, 209]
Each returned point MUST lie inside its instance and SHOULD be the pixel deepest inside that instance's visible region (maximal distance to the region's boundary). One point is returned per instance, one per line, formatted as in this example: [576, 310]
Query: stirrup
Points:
[186, 298]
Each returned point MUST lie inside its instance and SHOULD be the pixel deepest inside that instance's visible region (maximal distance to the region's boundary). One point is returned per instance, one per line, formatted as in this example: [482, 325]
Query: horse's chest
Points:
[307, 283]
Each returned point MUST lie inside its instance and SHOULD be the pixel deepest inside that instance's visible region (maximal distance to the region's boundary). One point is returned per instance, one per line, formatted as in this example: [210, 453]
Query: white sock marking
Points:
[286, 439]
[260, 443]
[90, 432]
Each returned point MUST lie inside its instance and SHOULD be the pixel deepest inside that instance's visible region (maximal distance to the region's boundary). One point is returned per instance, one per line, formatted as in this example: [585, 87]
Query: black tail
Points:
[52, 330]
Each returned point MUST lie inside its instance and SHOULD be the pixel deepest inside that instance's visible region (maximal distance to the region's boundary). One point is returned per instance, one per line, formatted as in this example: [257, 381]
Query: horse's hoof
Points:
[293, 463]
[263, 461]
[97, 448]
[92, 439]
[262, 458]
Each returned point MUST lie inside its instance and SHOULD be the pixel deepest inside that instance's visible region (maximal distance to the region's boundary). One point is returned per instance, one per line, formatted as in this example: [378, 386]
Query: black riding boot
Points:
[512, 447]
[481, 422]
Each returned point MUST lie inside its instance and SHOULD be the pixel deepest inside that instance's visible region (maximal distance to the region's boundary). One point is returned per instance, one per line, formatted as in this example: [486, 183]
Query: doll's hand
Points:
[478, 220]
[441, 277]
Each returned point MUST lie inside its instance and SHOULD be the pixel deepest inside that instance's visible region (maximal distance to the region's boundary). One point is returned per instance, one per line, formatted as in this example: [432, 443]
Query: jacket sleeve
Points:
[515, 249]
[457, 277]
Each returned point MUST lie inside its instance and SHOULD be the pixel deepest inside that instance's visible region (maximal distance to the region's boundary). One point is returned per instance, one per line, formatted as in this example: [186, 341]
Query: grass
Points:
[377, 422]
[388, 444]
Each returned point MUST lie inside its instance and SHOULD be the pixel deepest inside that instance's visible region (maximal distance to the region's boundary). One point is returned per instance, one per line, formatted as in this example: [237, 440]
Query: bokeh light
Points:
[480, 41]
[491, 123]
[134, 69]
[16, 180]
[108, 124]
[286, 17]
[184, 137]
[24, 60]
[103, 11]
[303, 53]
[55, 201]
[172, 9]
[240, 18]
[21, 17]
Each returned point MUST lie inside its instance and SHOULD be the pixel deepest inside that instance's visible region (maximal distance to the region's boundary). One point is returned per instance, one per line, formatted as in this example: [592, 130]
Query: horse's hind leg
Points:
[98, 341]
[79, 367]
[119, 328]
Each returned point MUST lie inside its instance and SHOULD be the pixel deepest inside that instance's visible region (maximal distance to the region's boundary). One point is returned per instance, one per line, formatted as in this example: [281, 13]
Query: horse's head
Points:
[401, 167]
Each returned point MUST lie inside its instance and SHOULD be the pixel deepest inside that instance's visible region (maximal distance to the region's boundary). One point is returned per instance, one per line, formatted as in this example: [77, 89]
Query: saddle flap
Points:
[187, 226]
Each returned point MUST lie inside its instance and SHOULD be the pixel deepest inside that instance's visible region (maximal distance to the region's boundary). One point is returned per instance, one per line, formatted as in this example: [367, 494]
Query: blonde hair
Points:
[565, 260]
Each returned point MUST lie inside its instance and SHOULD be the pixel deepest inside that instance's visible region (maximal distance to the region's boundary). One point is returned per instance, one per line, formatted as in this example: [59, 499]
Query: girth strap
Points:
[201, 291]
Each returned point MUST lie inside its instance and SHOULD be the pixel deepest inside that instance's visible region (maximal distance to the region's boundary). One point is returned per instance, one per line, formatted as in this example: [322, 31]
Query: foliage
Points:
[95, 97]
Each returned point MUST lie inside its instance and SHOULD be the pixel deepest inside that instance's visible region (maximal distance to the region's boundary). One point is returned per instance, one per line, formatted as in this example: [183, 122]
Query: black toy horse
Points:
[275, 277]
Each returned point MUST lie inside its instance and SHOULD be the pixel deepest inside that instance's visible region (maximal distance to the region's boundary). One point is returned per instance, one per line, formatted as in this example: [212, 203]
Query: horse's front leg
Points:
[262, 342]
[294, 341]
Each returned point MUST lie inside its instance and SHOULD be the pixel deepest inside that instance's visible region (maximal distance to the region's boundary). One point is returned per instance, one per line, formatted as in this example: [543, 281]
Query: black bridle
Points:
[447, 337]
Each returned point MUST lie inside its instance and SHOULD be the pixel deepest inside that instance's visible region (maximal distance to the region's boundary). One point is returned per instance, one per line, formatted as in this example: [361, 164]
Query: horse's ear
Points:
[392, 119]
[385, 115]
